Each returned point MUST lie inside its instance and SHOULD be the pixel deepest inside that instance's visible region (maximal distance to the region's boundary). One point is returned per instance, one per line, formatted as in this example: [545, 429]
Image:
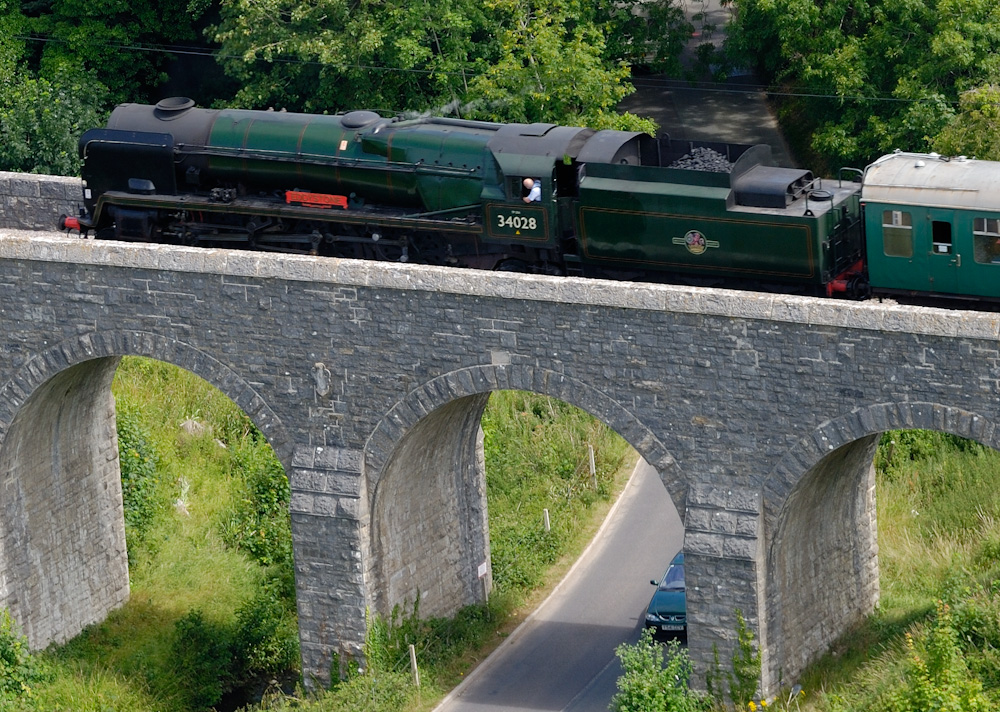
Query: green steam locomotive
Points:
[536, 198]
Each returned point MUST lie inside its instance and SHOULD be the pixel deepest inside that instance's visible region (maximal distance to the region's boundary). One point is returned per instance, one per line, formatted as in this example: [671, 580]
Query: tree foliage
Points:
[321, 55]
[647, 34]
[117, 40]
[975, 130]
[877, 75]
[549, 67]
[512, 60]
[42, 114]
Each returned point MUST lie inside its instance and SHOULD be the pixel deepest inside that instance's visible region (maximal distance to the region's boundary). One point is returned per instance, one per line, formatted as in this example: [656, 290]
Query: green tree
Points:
[550, 68]
[41, 116]
[975, 129]
[322, 55]
[513, 60]
[119, 41]
[879, 75]
[649, 34]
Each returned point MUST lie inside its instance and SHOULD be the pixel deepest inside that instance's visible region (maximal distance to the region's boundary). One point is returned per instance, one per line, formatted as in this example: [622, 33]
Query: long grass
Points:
[181, 564]
[192, 447]
[939, 541]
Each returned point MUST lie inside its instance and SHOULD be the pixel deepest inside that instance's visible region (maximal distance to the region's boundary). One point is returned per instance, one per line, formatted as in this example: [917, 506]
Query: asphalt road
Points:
[562, 657]
[735, 111]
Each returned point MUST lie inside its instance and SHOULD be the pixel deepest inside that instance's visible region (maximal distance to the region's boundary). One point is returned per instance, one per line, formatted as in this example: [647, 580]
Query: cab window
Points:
[897, 233]
[521, 188]
[986, 240]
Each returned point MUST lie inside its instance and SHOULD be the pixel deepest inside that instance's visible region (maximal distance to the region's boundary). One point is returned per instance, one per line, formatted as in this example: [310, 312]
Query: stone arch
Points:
[63, 561]
[822, 572]
[445, 413]
[114, 344]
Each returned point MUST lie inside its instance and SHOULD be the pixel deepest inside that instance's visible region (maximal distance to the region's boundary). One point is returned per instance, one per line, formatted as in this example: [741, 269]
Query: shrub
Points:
[937, 680]
[655, 678]
[259, 521]
[898, 448]
[266, 640]
[203, 659]
[19, 670]
[214, 658]
[139, 463]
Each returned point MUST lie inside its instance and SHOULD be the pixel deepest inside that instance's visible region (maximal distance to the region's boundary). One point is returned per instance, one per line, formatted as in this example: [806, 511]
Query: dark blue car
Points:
[666, 612]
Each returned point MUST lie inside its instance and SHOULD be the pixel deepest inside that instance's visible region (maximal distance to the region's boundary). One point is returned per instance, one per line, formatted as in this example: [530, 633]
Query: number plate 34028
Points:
[529, 223]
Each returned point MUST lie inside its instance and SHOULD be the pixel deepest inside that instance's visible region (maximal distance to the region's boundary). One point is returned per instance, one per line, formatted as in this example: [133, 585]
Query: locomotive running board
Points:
[243, 206]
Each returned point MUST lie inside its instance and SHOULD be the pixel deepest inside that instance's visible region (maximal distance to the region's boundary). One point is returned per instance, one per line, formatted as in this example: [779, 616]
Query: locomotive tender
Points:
[452, 192]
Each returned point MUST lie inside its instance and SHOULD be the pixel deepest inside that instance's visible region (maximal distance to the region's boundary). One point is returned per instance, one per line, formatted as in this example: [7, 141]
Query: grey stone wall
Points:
[428, 550]
[35, 202]
[63, 563]
[758, 411]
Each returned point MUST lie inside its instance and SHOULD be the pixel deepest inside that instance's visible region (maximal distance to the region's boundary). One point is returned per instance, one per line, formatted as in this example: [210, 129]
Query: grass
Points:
[192, 572]
[178, 564]
[939, 540]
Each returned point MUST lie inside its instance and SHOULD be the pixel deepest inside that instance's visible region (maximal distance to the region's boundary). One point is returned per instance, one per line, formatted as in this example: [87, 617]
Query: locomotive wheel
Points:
[512, 266]
[860, 288]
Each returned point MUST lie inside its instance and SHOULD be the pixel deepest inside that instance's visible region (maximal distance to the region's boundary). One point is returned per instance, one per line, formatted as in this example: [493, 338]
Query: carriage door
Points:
[944, 262]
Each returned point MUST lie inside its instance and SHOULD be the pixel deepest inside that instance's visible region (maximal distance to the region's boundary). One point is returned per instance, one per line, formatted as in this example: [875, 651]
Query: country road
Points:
[562, 657]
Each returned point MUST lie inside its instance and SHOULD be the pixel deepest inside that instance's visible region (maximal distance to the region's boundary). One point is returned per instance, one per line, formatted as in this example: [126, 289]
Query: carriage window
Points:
[986, 240]
[897, 233]
[941, 237]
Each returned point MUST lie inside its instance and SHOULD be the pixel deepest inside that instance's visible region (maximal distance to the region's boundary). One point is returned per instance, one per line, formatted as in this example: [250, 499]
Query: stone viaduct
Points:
[760, 412]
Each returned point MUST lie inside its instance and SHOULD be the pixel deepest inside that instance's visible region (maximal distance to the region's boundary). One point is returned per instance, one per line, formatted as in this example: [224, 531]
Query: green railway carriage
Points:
[932, 225]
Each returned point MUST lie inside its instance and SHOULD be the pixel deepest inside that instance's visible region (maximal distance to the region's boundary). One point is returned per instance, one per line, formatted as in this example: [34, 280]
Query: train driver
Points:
[534, 190]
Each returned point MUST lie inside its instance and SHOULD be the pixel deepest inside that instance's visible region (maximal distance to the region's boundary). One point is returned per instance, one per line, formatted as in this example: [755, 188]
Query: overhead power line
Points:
[648, 81]
[199, 52]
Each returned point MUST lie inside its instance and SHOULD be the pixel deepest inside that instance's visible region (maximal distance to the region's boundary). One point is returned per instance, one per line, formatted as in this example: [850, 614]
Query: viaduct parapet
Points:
[760, 412]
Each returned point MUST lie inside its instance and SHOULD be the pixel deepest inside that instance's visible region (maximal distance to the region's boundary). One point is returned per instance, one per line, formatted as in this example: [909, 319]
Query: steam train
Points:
[612, 204]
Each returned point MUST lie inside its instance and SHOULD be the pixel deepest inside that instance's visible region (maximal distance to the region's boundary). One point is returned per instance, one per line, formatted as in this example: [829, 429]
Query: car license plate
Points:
[671, 627]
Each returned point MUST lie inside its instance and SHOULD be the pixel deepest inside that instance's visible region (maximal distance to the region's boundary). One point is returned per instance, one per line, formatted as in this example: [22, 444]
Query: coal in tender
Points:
[703, 159]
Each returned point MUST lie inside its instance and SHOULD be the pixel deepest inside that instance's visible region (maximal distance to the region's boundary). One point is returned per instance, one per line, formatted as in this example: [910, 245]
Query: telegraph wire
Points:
[666, 83]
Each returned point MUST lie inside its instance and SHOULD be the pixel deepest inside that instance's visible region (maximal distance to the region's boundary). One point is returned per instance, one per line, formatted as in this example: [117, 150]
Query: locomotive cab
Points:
[532, 152]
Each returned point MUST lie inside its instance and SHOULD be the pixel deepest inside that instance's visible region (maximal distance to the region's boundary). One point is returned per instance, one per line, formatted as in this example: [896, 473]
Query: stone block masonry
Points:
[760, 412]
[34, 202]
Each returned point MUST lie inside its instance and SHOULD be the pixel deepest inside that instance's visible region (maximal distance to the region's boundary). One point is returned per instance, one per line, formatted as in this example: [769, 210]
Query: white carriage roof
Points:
[930, 180]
